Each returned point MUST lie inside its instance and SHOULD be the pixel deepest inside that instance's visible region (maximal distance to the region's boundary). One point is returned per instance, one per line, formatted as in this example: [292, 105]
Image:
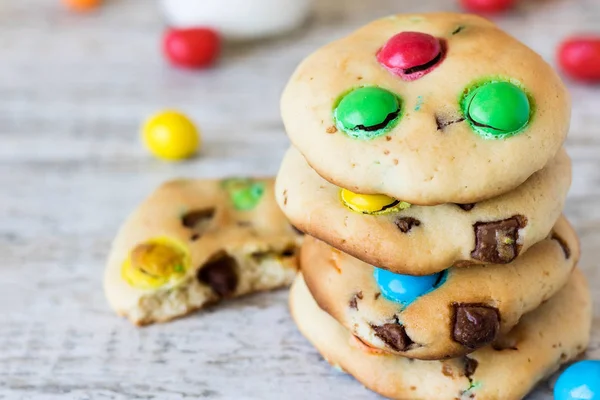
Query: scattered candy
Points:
[170, 135]
[155, 263]
[487, 6]
[238, 19]
[191, 48]
[82, 5]
[405, 289]
[367, 112]
[579, 57]
[580, 381]
[410, 55]
[497, 109]
[245, 193]
[371, 203]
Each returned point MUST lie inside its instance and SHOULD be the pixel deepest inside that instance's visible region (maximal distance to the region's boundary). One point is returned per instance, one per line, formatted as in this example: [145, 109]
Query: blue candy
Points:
[581, 381]
[405, 289]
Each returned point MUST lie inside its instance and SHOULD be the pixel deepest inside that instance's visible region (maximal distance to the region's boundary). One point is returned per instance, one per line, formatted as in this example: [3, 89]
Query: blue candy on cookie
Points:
[405, 289]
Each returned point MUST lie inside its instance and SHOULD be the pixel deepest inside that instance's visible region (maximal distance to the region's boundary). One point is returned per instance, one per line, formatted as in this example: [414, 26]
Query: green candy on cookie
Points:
[245, 194]
[368, 112]
[497, 109]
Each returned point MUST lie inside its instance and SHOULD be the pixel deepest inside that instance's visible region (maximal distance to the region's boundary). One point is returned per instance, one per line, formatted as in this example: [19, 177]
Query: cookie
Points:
[427, 109]
[421, 240]
[555, 333]
[437, 316]
[194, 242]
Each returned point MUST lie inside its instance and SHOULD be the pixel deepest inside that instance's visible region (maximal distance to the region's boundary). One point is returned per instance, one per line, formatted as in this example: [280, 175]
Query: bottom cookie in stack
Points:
[553, 334]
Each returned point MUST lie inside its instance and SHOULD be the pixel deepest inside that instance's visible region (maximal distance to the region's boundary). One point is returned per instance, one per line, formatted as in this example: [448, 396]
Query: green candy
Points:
[245, 194]
[497, 109]
[368, 112]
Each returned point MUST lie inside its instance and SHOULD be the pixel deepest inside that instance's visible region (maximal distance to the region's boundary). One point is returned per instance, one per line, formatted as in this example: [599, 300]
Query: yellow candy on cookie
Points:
[171, 136]
[371, 203]
[155, 263]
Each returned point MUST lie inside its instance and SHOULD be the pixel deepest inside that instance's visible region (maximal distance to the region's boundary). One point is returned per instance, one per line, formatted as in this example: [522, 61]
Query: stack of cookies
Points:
[429, 174]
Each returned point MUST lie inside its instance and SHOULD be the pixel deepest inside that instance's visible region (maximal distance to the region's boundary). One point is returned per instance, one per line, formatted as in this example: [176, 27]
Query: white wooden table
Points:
[73, 91]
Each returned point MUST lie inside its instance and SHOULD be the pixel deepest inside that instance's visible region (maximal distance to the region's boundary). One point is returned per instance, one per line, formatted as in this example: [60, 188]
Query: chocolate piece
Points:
[443, 121]
[393, 335]
[405, 224]
[497, 241]
[470, 365]
[198, 220]
[475, 325]
[220, 274]
[289, 252]
[562, 244]
[467, 207]
[354, 300]
[458, 29]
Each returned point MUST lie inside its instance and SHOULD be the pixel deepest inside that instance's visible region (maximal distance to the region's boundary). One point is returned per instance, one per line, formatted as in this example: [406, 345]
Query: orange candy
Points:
[82, 5]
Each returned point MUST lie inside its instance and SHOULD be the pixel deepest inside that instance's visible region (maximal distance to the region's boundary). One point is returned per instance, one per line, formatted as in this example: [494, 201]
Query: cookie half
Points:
[427, 108]
[553, 334]
[443, 315]
[194, 242]
[420, 240]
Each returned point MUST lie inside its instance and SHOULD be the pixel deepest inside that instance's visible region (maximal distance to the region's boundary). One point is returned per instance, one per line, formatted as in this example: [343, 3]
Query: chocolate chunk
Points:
[289, 252]
[467, 207]
[354, 300]
[198, 220]
[470, 365]
[393, 335]
[405, 224]
[497, 241]
[443, 121]
[458, 29]
[562, 244]
[475, 325]
[220, 274]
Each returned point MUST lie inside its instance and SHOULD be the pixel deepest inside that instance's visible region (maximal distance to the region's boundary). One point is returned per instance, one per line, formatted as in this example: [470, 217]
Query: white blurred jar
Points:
[238, 19]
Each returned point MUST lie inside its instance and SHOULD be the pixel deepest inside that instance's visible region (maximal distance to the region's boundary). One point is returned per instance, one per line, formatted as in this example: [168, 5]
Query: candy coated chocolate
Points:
[367, 112]
[371, 203]
[579, 57]
[245, 194]
[581, 381]
[497, 109]
[410, 53]
[404, 289]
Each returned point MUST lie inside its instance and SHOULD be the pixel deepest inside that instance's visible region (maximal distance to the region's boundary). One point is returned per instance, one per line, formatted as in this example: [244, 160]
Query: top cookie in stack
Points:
[444, 129]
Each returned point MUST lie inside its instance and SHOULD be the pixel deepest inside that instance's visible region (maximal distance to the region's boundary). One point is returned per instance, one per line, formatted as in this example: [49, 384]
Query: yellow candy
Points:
[171, 136]
[371, 203]
[155, 263]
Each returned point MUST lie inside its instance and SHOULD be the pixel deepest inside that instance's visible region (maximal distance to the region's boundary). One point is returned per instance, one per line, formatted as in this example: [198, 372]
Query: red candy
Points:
[487, 6]
[191, 48]
[410, 55]
[579, 57]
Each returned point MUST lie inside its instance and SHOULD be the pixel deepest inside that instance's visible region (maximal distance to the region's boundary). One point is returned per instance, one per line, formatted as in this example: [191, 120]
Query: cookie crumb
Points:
[332, 129]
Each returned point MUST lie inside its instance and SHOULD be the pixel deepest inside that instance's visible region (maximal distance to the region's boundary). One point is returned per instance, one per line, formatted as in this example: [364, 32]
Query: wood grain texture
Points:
[73, 91]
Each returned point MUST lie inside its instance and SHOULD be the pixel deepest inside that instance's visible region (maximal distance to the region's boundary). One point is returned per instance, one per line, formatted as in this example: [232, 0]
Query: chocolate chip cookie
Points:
[443, 315]
[421, 240]
[427, 109]
[555, 333]
[194, 242]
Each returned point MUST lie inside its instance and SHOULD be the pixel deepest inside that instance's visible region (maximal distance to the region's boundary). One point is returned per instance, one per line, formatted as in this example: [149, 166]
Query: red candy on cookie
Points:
[579, 57]
[486, 6]
[191, 48]
[410, 55]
